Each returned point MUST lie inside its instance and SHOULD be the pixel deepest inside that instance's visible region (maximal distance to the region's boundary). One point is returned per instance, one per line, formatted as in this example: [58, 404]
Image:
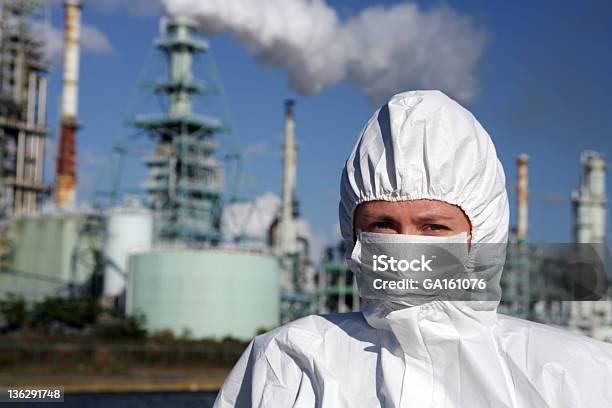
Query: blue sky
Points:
[543, 89]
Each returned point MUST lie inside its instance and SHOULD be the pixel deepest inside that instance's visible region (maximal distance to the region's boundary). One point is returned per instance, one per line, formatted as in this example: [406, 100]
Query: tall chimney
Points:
[522, 190]
[589, 200]
[288, 227]
[66, 158]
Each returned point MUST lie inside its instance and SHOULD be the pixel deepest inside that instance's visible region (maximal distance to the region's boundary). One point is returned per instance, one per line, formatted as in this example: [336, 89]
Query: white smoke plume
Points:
[381, 50]
[254, 218]
[251, 218]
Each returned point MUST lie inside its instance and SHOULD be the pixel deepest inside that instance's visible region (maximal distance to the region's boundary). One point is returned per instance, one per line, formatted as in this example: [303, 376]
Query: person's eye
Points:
[382, 225]
[436, 227]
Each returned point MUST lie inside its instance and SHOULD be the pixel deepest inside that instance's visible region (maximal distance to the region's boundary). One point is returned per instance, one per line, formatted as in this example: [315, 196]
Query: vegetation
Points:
[13, 311]
[73, 313]
[76, 333]
[58, 316]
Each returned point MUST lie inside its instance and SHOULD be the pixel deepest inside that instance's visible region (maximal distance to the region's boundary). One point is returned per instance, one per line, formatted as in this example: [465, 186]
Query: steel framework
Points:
[185, 180]
[23, 96]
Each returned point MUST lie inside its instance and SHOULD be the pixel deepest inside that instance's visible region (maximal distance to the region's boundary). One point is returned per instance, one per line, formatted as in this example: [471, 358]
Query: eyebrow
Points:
[419, 217]
[376, 216]
[433, 217]
[379, 218]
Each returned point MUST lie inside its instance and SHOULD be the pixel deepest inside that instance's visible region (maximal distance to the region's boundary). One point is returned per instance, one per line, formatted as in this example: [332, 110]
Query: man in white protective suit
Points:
[423, 171]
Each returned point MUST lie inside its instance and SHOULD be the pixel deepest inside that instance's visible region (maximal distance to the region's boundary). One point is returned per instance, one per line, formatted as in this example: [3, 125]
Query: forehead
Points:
[408, 209]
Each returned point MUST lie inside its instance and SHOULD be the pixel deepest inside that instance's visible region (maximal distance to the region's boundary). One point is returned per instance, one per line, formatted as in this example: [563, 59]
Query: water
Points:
[134, 400]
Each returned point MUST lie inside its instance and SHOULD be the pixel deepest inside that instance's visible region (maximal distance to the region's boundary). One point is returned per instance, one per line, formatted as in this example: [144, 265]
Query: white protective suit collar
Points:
[383, 317]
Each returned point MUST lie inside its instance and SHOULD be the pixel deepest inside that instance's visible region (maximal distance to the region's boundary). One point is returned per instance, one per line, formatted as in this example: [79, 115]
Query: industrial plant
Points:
[161, 252]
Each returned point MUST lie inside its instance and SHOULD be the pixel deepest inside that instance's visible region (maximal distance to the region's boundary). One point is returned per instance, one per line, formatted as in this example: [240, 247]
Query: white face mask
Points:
[401, 270]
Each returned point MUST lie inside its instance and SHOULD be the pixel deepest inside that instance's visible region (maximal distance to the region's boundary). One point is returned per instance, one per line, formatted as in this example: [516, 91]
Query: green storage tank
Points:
[48, 251]
[209, 293]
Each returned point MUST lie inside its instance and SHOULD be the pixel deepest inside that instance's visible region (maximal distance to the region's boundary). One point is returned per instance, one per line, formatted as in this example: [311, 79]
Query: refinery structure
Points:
[161, 252]
[23, 97]
[185, 179]
[189, 279]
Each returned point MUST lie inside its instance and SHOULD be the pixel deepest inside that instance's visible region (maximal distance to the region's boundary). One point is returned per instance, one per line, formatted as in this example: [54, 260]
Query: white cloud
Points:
[92, 40]
[252, 218]
[54, 43]
[257, 149]
[382, 50]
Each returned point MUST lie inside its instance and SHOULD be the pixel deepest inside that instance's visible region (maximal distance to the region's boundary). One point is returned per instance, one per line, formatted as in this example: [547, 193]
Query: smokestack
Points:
[66, 158]
[589, 201]
[288, 228]
[522, 190]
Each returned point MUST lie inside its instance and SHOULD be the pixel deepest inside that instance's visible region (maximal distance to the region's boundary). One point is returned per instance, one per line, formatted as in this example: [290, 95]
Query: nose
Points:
[409, 228]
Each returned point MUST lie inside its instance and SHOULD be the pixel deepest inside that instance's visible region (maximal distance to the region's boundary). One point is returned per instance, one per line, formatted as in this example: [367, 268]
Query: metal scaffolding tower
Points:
[23, 95]
[185, 180]
[337, 290]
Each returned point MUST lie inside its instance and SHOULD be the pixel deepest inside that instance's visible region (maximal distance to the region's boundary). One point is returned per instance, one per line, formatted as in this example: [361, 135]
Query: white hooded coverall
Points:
[422, 145]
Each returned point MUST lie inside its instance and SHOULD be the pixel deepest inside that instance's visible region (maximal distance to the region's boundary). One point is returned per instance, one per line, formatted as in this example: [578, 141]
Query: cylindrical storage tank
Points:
[208, 293]
[129, 230]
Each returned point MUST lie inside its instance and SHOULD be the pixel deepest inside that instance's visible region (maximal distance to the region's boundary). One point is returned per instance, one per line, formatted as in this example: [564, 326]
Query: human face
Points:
[413, 217]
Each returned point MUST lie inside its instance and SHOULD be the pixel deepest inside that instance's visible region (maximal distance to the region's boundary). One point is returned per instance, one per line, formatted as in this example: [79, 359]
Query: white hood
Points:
[424, 145]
